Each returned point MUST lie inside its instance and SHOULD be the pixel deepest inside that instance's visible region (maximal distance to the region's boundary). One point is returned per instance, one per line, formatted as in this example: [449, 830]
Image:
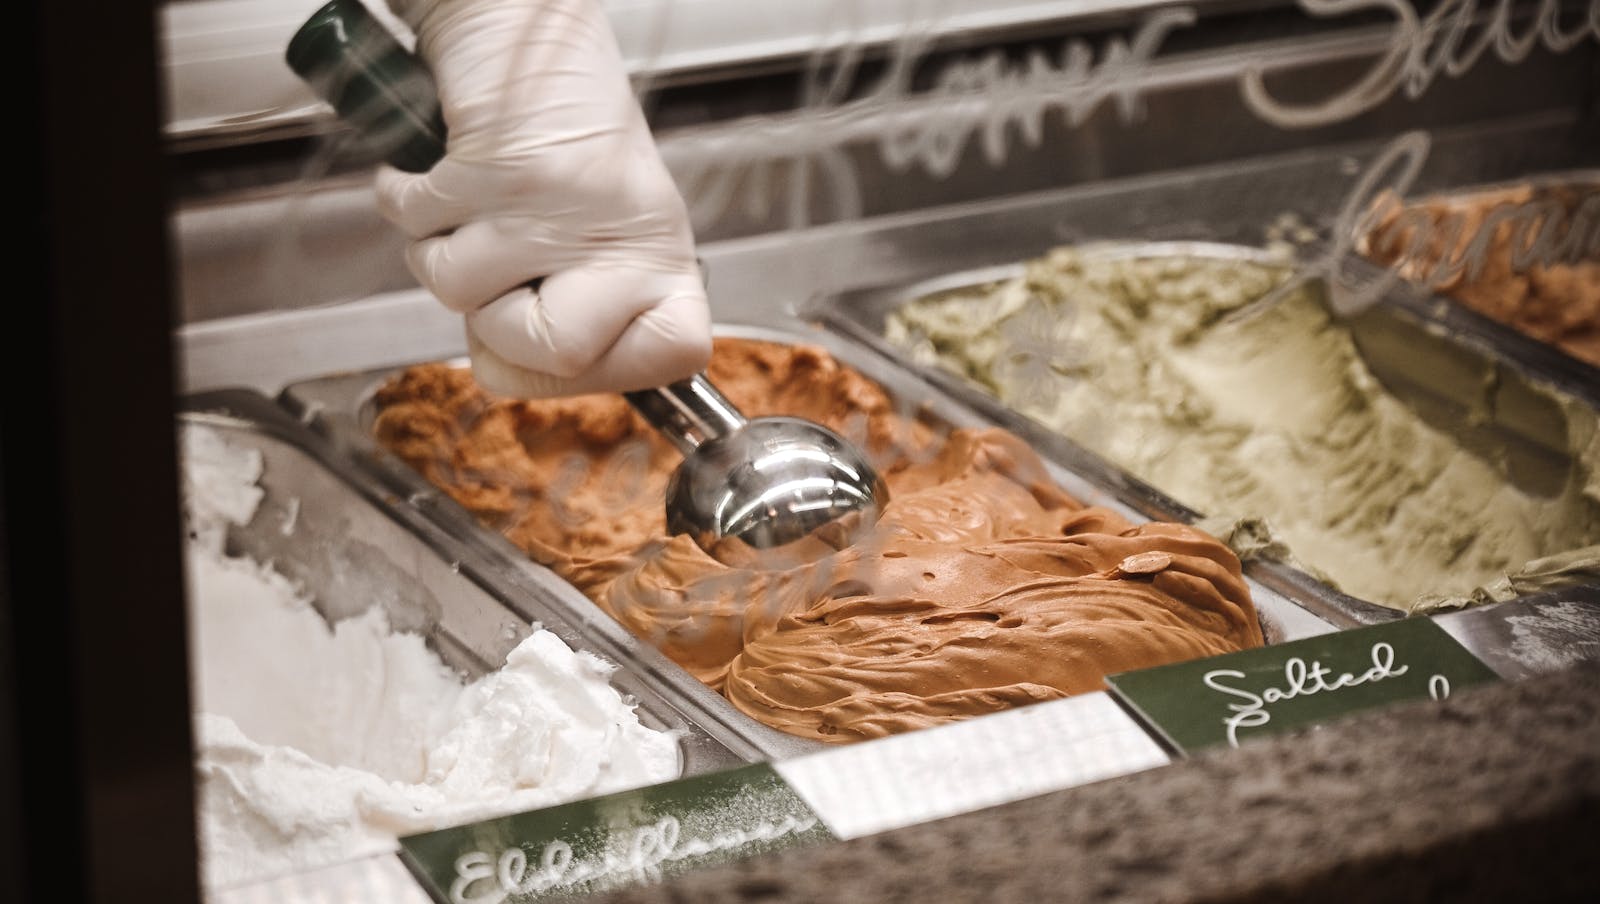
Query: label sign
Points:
[609, 842]
[1241, 696]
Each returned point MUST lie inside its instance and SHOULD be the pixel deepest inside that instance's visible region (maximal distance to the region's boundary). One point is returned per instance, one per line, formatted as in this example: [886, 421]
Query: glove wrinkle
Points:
[536, 329]
[672, 325]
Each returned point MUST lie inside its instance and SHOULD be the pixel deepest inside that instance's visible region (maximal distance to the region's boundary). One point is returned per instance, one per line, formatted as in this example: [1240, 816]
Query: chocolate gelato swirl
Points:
[983, 586]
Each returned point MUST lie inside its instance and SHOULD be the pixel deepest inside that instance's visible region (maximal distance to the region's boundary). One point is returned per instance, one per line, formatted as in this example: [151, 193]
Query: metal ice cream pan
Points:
[1437, 370]
[325, 526]
[343, 408]
[1572, 375]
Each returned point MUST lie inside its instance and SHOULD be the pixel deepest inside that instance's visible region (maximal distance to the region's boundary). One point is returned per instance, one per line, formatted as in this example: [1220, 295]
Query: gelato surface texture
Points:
[1467, 247]
[982, 587]
[1274, 420]
[318, 744]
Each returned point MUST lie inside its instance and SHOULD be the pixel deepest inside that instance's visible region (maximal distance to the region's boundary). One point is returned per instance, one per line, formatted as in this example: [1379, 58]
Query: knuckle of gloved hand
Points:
[605, 169]
[458, 287]
[664, 204]
[685, 355]
[681, 326]
[432, 267]
[648, 182]
[542, 185]
[569, 359]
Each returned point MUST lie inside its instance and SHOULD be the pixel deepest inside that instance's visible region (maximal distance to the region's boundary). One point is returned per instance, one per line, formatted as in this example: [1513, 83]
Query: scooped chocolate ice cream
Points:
[982, 587]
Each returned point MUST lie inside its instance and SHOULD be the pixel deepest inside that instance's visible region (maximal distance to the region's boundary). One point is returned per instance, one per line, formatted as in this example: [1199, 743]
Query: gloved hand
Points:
[549, 171]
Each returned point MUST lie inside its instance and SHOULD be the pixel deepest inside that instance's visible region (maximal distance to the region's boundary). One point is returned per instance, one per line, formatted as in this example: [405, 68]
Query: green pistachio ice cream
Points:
[1275, 418]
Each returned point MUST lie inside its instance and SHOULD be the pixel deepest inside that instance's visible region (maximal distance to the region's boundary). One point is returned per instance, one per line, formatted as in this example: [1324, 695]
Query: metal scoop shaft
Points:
[688, 412]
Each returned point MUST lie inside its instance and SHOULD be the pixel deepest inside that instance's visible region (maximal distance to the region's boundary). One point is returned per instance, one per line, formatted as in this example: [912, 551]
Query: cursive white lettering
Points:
[1438, 687]
[1417, 52]
[636, 856]
[1430, 246]
[1301, 680]
[470, 870]
[1361, 212]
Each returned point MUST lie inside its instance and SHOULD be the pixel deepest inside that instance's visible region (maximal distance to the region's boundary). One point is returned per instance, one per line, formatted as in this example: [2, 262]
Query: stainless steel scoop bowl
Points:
[770, 491]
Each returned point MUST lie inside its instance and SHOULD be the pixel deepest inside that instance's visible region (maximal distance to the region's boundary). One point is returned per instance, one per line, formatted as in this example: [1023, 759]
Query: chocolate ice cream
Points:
[983, 586]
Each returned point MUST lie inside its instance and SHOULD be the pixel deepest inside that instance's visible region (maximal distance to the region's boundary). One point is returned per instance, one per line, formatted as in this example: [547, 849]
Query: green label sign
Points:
[1234, 698]
[608, 842]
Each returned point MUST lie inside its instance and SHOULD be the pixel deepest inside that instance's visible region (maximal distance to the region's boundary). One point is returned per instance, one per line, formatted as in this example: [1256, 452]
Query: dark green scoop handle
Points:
[386, 92]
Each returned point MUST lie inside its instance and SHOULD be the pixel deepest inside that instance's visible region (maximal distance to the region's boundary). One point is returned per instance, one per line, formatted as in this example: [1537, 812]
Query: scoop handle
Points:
[688, 412]
[388, 95]
[375, 85]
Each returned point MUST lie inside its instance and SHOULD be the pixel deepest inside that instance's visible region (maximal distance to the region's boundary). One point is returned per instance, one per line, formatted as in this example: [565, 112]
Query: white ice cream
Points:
[318, 745]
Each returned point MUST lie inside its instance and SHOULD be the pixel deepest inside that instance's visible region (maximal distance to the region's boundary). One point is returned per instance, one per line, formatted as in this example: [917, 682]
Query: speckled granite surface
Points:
[1491, 796]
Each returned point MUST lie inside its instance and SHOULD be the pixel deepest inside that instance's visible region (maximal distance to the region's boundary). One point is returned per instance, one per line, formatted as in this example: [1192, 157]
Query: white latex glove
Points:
[550, 172]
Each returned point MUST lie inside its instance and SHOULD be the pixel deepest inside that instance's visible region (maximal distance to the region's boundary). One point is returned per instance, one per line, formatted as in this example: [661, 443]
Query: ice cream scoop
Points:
[786, 487]
[777, 488]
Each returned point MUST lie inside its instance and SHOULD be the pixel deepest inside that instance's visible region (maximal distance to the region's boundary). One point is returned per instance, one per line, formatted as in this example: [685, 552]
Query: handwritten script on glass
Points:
[928, 114]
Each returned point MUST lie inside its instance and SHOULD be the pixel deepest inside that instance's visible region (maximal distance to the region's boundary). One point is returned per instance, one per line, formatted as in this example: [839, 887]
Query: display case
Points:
[845, 163]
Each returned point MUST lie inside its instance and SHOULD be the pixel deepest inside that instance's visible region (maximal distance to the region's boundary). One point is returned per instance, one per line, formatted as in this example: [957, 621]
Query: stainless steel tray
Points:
[1433, 368]
[341, 407]
[1532, 635]
[328, 527]
[1575, 376]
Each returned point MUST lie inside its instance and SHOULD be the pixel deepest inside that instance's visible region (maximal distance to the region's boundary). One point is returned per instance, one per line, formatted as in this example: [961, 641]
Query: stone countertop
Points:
[1492, 795]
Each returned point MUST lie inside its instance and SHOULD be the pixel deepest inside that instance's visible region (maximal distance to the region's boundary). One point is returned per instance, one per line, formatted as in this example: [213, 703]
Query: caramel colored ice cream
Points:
[982, 587]
[1555, 300]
